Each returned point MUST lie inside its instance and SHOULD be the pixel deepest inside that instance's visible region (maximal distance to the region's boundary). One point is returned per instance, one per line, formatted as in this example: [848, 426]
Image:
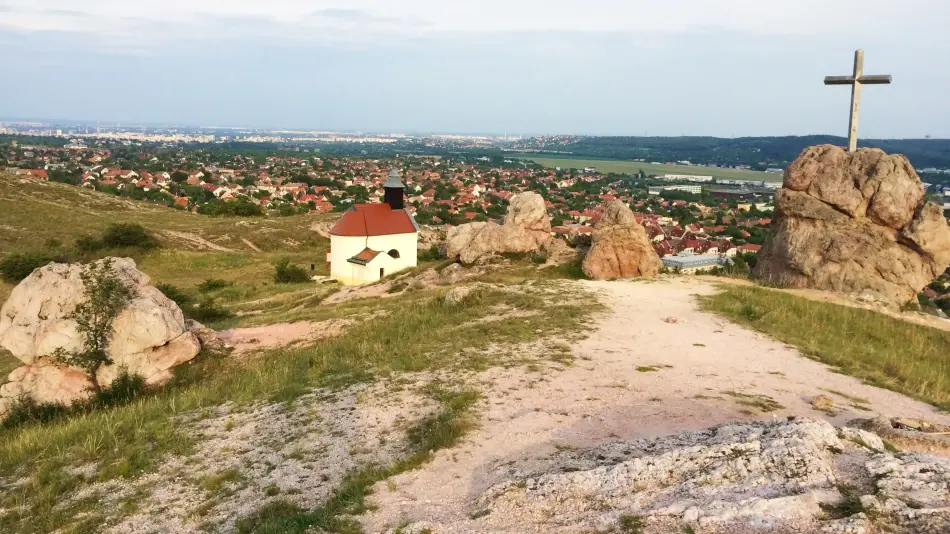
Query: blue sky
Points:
[607, 67]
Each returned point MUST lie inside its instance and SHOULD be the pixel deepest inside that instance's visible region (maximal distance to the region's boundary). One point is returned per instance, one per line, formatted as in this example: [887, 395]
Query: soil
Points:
[638, 375]
[281, 334]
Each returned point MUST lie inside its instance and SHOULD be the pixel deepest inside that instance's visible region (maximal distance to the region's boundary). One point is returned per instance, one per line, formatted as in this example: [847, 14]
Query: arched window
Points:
[394, 253]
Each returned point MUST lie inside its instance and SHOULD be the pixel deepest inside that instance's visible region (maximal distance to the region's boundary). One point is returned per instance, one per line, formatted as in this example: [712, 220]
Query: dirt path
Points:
[252, 245]
[196, 241]
[636, 376]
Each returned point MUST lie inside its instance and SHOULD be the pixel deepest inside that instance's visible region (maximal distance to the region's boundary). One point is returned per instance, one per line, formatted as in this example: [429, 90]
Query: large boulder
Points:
[526, 229]
[857, 224]
[45, 382]
[148, 337]
[620, 247]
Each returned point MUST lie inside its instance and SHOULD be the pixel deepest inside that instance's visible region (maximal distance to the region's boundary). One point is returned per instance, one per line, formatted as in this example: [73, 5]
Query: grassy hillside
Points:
[49, 217]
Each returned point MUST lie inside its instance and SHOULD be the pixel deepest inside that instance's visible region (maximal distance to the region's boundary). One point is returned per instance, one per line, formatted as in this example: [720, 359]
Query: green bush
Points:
[181, 298]
[207, 310]
[432, 253]
[127, 235]
[288, 273]
[16, 267]
[26, 410]
[212, 284]
[123, 390]
[87, 244]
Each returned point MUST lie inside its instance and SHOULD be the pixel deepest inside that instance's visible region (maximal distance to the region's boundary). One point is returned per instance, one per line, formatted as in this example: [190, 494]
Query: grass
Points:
[439, 431]
[633, 167]
[763, 403]
[131, 440]
[37, 212]
[880, 350]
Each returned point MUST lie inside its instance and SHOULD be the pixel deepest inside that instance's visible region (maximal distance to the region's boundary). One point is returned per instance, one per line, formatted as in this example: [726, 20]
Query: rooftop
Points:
[374, 220]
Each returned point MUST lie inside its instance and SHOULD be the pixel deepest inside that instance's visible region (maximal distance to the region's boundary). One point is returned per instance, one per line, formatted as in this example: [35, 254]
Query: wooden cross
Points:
[855, 81]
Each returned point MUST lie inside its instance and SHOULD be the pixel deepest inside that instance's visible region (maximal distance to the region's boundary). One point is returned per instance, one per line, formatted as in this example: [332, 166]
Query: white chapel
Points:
[372, 241]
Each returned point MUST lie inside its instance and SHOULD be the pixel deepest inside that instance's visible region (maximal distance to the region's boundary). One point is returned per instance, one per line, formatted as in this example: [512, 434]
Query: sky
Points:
[522, 67]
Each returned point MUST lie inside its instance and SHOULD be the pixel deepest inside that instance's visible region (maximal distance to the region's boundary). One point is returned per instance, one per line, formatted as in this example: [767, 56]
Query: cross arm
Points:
[875, 79]
[839, 80]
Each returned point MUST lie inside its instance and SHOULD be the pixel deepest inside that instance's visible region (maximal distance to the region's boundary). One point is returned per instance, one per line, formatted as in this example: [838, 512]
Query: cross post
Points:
[855, 81]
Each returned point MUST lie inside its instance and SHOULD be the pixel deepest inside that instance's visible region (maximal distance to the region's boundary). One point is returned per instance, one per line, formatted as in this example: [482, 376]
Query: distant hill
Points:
[758, 152]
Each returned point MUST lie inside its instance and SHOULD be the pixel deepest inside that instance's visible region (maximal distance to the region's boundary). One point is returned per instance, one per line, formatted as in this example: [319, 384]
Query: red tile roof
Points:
[373, 220]
[365, 257]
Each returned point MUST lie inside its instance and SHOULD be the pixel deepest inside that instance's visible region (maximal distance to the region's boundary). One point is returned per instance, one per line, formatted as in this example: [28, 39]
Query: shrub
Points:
[180, 298]
[123, 390]
[87, 244]
[127, 235]
[432, 253]
[288, 273]
[212, 284]
[105, 297]
[208, 310]
[16, 267]
[26, 410]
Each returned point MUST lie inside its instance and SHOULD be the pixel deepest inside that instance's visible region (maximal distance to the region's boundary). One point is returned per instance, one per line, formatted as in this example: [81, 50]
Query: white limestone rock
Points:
[148, 337]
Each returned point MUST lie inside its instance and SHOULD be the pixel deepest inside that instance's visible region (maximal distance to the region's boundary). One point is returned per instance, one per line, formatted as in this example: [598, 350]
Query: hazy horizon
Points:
[733, 68]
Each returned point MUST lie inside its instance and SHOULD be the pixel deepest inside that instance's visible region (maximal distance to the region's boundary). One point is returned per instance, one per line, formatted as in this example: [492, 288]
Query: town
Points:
[695, 222]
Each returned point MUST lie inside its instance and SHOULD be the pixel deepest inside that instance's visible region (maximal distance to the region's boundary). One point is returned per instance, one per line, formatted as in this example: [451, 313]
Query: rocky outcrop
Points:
[620, 248]
[776, 476]
[526, 229]
[148, 337]
[46, 382]
[856, 224]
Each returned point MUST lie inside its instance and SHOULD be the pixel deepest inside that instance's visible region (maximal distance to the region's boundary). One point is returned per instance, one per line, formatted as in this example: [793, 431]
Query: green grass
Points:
[633, 167]
[881, 350]
[133, 439]
[763, 403]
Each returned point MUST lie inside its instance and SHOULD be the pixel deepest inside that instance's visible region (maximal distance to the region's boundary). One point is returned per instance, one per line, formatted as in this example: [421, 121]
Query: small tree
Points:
[106, 297]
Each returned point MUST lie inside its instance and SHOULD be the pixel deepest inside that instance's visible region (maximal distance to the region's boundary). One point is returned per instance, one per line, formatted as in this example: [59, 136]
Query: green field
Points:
[630, 167]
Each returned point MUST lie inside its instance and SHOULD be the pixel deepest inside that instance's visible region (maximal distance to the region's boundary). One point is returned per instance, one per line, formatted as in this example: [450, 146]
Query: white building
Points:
[372, 241]
[657, 189]
[686, 178]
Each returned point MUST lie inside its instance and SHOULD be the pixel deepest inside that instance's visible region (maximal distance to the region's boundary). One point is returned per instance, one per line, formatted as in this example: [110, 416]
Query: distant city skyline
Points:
[728, 68]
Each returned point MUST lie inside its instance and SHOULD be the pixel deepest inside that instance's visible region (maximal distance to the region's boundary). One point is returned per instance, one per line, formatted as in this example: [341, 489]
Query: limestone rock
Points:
[856, 224]
[526, 229]
[775, 476]
[45, 382]
[207, 337]
[148, 337]
[458, 295]
[620, 247]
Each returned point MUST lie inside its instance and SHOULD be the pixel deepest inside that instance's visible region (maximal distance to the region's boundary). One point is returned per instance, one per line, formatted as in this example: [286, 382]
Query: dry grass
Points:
[36, 212]
[881, 350]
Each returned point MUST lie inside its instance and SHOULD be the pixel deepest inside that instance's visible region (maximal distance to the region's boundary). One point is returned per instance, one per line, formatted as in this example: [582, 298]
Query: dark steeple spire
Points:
[394, 191]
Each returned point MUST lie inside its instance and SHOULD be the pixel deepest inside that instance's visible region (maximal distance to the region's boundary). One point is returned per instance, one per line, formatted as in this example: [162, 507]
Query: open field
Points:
[630, 167]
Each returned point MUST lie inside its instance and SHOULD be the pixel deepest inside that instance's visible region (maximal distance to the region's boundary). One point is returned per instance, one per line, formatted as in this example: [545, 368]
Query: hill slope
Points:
[49, 217]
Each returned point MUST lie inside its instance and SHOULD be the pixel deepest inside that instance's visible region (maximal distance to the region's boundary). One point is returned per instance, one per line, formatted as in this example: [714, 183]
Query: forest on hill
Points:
[758, 152]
